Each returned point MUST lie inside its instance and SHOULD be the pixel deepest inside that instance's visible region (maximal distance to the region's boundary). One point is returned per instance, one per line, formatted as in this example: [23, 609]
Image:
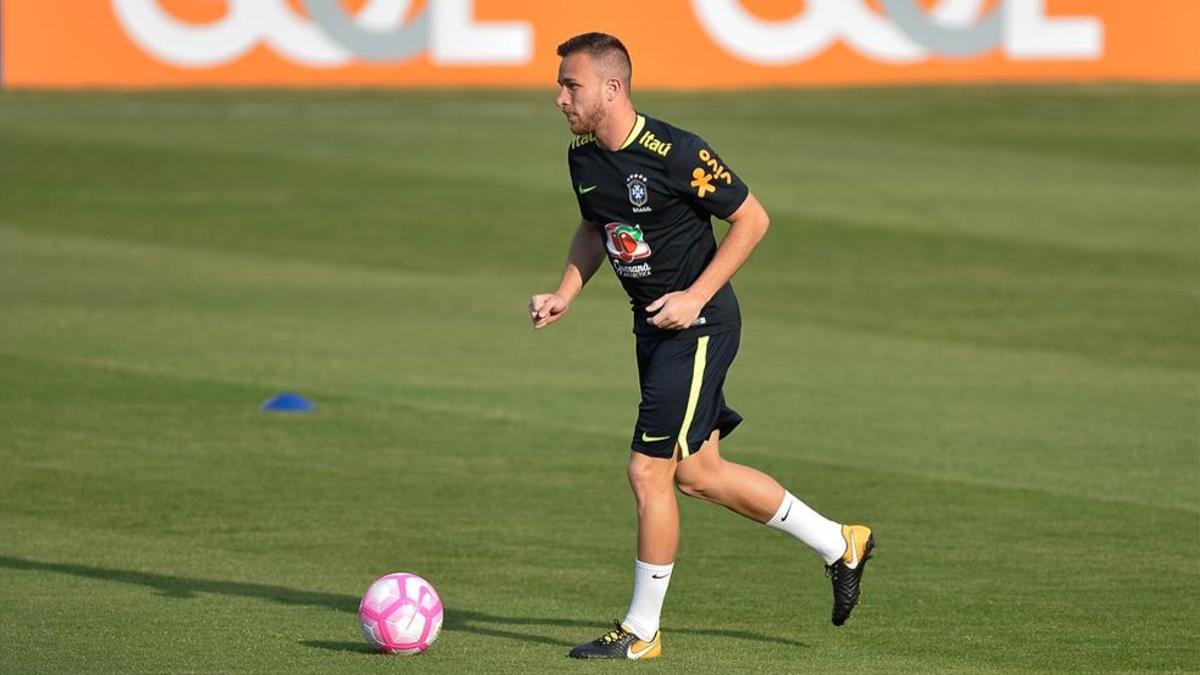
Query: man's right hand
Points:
[547, 308]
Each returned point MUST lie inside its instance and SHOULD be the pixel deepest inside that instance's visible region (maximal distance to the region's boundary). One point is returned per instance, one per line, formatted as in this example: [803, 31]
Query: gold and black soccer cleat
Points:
[846, 572]
[619, 643]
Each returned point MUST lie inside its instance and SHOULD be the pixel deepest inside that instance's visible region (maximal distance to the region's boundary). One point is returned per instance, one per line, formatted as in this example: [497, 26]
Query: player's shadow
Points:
[457, 619]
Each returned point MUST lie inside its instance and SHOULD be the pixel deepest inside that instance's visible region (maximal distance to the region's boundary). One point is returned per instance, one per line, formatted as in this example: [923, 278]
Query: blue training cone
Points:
[288, 402]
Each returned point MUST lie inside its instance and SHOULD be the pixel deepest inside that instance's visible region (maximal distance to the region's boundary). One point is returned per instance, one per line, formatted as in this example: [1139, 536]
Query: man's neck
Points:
[615, 128]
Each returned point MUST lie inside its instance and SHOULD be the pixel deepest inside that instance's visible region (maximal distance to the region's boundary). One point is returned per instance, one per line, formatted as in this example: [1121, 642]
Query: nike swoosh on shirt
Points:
[651, 439]
[583, 190]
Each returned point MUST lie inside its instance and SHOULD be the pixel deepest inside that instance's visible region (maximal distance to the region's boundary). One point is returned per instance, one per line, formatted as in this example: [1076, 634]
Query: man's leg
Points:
[652, 480]
[665, 373]
[755, 495]
[741, 489]
[636, 637]
[653, 484]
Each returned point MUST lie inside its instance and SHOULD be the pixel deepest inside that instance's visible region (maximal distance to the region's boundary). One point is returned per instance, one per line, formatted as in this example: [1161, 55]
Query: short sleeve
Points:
[583, 209]
[698, 174]
[584, 212]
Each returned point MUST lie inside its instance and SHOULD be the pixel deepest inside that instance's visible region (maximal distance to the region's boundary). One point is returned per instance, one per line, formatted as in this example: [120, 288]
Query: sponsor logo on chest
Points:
[649, 141]
[627, 244]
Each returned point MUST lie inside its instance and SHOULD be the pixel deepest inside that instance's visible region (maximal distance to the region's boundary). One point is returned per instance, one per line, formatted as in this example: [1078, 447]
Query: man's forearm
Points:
[583, 259]
[748, 225]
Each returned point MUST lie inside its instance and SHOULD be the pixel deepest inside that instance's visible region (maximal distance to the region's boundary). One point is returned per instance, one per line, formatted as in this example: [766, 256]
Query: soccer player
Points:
[646, 192]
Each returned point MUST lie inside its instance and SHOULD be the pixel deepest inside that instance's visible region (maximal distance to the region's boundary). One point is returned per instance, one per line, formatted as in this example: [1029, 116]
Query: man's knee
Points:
[649, 476]
[695, 476]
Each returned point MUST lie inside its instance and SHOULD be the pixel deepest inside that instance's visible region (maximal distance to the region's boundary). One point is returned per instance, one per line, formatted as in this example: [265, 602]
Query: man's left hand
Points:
[676, 310]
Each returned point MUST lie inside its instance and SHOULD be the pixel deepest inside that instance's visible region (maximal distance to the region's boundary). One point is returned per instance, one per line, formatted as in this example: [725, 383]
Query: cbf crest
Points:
[639, 192]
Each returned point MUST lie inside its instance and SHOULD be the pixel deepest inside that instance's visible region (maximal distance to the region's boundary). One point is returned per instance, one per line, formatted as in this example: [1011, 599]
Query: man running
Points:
[646, 193]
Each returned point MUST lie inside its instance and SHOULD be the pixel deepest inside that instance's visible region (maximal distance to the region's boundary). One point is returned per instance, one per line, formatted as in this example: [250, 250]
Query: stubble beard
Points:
[589, 120]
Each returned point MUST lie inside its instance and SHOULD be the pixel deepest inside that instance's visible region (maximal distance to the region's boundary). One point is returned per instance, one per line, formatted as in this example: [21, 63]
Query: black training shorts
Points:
[682, 399]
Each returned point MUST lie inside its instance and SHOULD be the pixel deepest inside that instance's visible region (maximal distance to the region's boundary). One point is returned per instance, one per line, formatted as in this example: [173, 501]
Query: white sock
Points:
[821, 534]
[649, 590]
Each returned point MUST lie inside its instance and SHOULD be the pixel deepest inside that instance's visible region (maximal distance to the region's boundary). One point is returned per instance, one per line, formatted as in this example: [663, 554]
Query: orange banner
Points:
[674, 43]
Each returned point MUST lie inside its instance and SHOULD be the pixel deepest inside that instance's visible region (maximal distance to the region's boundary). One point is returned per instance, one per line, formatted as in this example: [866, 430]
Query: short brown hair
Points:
[602, 47]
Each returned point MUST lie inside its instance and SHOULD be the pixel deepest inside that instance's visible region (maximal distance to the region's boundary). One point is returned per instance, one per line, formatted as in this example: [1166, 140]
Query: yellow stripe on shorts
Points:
[694, 394]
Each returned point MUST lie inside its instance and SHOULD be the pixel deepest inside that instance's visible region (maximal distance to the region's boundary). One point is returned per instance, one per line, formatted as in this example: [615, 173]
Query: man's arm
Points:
[583, 259]
[747, 226]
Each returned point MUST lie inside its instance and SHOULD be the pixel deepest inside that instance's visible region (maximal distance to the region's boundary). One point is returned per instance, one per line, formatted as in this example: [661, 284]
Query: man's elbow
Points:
[751, 218]
[758, 216]
[762, 223]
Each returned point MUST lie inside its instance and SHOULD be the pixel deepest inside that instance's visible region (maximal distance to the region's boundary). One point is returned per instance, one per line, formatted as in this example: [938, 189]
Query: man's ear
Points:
[612, 87]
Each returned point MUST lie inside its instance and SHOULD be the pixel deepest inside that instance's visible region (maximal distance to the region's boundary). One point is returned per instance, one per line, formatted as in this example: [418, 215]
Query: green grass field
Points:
[974, 325]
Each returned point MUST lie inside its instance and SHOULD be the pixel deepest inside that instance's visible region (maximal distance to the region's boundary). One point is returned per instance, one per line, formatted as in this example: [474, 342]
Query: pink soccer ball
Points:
[400, 614]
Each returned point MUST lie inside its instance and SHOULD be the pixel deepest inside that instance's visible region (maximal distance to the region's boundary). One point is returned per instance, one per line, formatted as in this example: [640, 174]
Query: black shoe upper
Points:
[612, 645]
[846, 585]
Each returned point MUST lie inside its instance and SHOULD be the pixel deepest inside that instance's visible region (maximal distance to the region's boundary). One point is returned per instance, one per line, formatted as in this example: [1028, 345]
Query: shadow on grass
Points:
[359, 647]
[465, 620]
